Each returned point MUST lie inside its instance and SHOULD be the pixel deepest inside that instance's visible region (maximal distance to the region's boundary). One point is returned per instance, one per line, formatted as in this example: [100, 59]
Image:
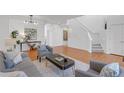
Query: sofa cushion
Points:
[17, 59]
[81, 73]
[93, 72]
[29, 68]
[110, 70]
[97, 65]
[10, 55]
[8, 63]
[13, 74]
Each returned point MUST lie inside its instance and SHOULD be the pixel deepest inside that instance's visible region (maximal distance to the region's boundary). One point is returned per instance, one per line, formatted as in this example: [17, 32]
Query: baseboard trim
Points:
[119, 56]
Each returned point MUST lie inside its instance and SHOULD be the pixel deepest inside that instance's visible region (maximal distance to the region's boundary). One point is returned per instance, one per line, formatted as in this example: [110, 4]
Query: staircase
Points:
[96, 41]
[97, 48]
[97, 44]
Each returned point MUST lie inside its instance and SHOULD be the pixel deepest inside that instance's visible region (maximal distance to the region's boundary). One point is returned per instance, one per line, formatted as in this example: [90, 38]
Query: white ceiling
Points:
[58, 18]
[55, 19]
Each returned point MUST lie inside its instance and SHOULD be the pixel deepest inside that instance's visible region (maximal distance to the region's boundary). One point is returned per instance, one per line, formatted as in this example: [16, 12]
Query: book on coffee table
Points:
[59, 58]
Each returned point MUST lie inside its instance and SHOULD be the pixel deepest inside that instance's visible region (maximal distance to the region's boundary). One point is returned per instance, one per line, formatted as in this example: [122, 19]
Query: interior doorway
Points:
[65, 37]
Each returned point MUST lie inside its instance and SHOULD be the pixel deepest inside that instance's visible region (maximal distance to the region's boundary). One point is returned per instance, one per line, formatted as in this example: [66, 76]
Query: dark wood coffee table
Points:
[63, 64]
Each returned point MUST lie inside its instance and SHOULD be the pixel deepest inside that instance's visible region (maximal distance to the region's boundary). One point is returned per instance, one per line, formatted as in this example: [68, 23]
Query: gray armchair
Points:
[94, 70]
[43, 51]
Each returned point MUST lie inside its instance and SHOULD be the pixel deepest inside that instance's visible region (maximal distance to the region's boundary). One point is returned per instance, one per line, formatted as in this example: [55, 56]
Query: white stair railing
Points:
[90, 34]
[85, 29]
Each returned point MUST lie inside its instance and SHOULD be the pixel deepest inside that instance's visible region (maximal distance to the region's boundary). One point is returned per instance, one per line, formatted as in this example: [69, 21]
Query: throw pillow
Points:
[110, 70]
[14, 56]
[17, 59]
[43, 48]
[11, 55]
[8, 63]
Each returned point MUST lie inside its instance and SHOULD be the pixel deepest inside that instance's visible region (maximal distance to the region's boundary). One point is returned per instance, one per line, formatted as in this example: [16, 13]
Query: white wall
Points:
[18, 24]
[95, 24]
[54, 35]
[77, 37]
[4, 31]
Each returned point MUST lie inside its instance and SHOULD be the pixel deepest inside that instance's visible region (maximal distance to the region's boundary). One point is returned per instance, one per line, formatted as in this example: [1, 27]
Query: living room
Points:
[53, 46]
[81, 40]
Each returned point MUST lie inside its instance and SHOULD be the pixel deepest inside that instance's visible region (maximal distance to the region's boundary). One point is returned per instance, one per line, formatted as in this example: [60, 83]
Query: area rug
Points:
[52, 71]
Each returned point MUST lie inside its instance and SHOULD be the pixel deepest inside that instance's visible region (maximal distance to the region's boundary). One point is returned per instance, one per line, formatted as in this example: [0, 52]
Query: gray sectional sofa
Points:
[94, 70]
[26, 66]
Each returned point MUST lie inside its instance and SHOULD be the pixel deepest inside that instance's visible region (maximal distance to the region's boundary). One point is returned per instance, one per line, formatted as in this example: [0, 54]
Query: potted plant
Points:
[14, 34]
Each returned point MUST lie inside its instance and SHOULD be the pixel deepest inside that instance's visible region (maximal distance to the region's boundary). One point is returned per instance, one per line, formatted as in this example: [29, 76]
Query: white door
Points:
[116, 39]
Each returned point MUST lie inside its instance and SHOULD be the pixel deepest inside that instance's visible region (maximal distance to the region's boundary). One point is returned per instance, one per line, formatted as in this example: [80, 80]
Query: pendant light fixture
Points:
[30, 20]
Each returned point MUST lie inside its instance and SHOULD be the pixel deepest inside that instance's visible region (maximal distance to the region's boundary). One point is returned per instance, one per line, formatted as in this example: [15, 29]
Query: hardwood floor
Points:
[85, 56]
[107, 58]
[78, 54]
[82, 55]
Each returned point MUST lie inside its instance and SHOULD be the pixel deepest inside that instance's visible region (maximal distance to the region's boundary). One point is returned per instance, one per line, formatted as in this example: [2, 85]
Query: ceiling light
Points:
[30, 20]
